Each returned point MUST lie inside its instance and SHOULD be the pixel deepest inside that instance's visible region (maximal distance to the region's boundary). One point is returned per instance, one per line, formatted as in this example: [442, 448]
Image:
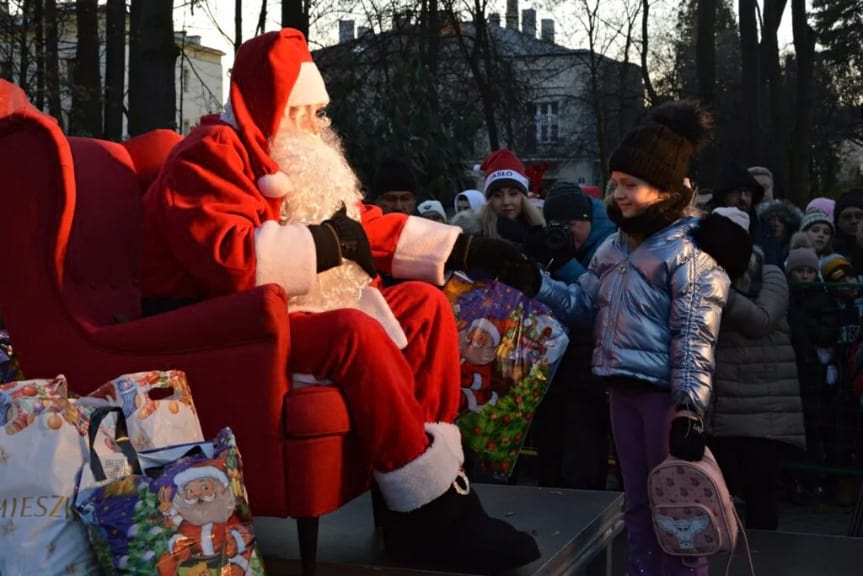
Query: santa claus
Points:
[478, 351]
[263, 194]
[201, 514]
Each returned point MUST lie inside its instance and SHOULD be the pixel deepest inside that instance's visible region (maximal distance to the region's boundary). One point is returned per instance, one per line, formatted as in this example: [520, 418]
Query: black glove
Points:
[500, 257]
[537, 248]
[342, 237]
[686, 439]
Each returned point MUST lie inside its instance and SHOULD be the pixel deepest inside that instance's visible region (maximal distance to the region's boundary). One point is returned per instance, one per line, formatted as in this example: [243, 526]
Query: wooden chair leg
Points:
[307, 531]
[378, 506]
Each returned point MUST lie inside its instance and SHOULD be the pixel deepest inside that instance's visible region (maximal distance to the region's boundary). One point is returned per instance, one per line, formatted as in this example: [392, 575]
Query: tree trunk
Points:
[751, 73]
[86, 116]
[800, 186]
[776, 153]
[294, 15]
[52, 61]
[24, 46]
[238, 24]
[152, 66]
[262, 18]
[645, 73]
[705, 51]
[39, 35]
[486, 83]
[115, 68]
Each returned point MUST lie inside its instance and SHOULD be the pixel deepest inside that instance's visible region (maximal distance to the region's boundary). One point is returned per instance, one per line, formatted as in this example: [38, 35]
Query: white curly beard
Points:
[321, 182]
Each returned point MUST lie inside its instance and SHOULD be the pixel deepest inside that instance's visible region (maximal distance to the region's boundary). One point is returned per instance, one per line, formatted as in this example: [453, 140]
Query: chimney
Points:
[528, 22]
[494, 19]
[547, 30]
[346, 30]
[512, 14]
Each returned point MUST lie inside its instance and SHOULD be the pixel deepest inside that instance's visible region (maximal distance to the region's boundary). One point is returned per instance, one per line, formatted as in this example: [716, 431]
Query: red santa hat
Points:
[199, 473]
[503, 168]
[486, 326]
[272, 72]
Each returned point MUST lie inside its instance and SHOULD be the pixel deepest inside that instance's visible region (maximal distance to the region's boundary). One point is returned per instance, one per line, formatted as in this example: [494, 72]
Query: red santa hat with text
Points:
[503, 168]
[277, 72]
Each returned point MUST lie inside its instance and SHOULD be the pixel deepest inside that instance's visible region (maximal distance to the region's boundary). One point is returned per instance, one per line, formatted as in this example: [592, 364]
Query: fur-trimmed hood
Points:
[791, 214]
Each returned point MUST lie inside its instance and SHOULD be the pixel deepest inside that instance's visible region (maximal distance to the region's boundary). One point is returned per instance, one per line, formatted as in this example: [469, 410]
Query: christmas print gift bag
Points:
[42, 445]
[157, 406]
[510, 347]
[180, 510]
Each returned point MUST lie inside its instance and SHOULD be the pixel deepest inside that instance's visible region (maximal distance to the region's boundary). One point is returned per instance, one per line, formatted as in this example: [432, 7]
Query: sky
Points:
[219, 14]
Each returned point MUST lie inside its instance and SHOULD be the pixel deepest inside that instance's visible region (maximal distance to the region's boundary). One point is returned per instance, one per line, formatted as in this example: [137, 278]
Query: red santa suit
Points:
[212, 227]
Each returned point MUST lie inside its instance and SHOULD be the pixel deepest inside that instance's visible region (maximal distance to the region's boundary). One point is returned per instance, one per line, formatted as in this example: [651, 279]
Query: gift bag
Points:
[180, 510]
[510, 347]
[157, 406]
[43, 444]
[10, 371]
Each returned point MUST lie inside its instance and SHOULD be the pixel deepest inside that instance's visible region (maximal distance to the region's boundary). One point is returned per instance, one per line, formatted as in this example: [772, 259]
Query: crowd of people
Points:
[785, 388]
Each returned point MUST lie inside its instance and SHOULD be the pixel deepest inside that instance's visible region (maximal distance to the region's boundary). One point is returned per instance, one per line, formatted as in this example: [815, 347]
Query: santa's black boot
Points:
[450, 529]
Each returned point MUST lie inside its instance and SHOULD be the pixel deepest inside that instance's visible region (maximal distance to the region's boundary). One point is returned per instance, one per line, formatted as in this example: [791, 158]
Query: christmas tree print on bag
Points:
[510, 347]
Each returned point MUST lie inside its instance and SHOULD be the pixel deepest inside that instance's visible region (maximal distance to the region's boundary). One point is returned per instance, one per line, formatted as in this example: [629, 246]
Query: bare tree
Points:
[751, 77]
[52, 61]
[705, 51]
[115, 68]
[86, 116]
[645, 44]
[799, 185]
[238, 24]
[39, 42]
[773, 87]
[295, 13]
[152, 59]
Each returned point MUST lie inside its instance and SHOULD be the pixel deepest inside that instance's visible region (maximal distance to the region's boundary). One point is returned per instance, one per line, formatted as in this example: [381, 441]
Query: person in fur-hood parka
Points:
[778, 221]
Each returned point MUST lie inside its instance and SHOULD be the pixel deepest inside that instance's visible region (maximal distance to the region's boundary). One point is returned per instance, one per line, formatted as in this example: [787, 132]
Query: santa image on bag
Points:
[201, 514]
[478, 351]
[263, 194]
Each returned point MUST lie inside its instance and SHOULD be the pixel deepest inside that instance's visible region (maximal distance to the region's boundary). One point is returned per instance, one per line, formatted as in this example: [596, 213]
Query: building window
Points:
[185, 79]
[546, 122]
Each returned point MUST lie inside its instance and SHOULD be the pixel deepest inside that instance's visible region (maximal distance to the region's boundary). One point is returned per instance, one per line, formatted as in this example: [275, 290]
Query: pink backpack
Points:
[693, 514]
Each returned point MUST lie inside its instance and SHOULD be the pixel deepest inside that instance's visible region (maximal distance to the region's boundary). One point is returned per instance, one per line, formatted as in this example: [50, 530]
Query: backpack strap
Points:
[745, 544]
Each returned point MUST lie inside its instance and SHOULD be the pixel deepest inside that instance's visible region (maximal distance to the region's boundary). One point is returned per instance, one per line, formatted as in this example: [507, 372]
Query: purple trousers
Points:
[640, 420]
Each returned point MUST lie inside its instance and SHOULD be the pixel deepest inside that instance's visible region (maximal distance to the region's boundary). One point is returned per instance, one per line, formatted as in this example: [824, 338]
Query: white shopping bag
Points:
[43, 445]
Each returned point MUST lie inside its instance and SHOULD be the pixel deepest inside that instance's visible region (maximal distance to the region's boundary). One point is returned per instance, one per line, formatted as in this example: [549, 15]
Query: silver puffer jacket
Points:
[658, 309]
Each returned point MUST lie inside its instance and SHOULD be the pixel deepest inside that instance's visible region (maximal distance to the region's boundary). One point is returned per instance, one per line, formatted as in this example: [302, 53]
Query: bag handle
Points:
[745, 544]
[121, 438]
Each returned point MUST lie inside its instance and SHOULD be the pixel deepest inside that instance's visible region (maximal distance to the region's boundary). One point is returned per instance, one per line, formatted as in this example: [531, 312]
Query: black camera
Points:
[558, 237]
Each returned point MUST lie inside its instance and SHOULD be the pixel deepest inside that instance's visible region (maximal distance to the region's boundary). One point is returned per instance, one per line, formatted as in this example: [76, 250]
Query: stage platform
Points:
[575, 530]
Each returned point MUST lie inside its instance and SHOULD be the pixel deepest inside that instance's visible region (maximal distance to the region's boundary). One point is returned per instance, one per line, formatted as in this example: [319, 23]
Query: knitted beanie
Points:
[836, 268]
[734, 214]
[814, 216]
[847, 200]
[660, 153]
[566, 202]
[826, 205]
[503, 168]
[735, 176]
[393, 174]
[801, 257]
[431, 206]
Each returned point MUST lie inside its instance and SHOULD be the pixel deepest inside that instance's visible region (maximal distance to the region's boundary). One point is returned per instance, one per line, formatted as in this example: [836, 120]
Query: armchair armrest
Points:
[257, 314]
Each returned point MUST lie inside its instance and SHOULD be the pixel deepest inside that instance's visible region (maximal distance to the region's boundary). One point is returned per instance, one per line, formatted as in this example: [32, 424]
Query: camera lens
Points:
[557, 236]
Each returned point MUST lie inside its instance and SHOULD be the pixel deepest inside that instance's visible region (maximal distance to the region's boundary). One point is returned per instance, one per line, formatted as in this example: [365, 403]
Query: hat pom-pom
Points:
[800, 240]
[276, 185]
[686, 118]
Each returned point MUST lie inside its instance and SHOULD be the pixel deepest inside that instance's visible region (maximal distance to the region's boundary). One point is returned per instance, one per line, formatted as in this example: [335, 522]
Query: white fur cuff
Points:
[422, 250]
[286, 256]
[424, 478]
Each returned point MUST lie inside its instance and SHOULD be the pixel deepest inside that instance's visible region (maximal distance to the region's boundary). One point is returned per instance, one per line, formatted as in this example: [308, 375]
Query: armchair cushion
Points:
[316, 411]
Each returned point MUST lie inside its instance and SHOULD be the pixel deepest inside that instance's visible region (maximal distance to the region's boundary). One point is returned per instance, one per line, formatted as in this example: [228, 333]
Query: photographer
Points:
[577, 403]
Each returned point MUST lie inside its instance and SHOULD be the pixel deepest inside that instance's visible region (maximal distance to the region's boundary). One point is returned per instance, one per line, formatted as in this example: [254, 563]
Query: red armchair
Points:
[70, 234]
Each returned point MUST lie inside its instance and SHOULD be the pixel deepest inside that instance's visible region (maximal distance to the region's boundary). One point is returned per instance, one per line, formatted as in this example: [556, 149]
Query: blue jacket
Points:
[658, 309]
[601, 228]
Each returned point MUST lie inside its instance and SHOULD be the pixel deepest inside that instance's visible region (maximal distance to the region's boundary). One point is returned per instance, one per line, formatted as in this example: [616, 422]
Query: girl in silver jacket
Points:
[655, 296]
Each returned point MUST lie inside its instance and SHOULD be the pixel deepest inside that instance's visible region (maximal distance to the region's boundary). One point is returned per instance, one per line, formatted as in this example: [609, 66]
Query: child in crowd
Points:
[657, 297]
[818, 227]
[814, 321]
